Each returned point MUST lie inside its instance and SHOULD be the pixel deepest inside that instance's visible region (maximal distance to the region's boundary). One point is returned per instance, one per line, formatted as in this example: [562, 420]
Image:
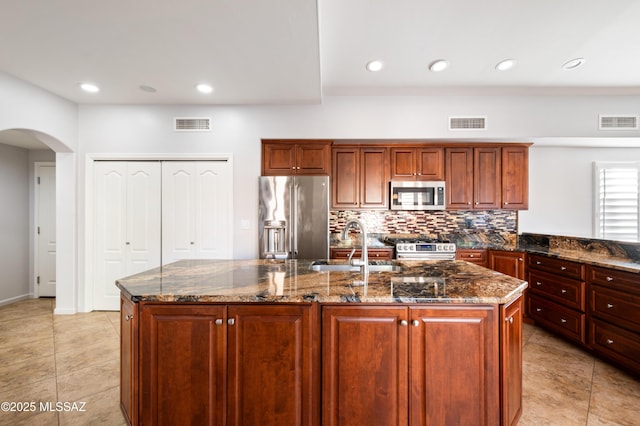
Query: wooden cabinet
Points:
[487, 177]
[614, 316]
[285, 157]
[511, 362]
[417, 163]
[360, 177]
[556, 296]
[515, 177]
[236, 364]
[477, 256]
[373, 253]
[510, 263]
[419, 351]
[128, 360]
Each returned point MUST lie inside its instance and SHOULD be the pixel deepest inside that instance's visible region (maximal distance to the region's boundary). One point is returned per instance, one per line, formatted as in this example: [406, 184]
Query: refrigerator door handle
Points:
[294, 219]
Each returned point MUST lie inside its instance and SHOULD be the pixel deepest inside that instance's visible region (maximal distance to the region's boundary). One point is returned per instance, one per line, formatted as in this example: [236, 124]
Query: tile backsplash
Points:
[431, 223]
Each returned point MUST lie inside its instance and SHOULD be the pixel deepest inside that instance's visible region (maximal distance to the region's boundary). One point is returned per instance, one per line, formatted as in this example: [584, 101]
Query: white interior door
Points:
[127, 225]
[197, 205]
[45, 256]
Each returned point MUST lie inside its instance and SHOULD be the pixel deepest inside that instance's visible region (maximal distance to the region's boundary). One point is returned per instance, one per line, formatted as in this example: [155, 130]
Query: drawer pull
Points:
[129, 317]
[563, 268]
[563, 291]
[538, 262]
[609, 341]
[231, 321]
[538, 309]
[218, 321]
[404, 323]
[609, 305]
[509, 320]
[564, 321]
[538, 283]
[472, 255]
[609, 279]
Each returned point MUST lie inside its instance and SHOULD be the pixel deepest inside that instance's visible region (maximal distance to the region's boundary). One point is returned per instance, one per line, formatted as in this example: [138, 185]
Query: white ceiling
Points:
[293, 51]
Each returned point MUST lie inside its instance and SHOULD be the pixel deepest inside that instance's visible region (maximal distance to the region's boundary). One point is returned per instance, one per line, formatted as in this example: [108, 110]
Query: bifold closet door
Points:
[197, 210]
[127, 226]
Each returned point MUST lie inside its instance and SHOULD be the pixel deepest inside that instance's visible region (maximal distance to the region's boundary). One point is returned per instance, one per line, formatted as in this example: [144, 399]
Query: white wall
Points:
[14, 223]
[561, 188]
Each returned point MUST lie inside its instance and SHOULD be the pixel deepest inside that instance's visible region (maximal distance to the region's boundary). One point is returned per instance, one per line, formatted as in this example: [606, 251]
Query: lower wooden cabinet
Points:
[129, 359]
[511, 362]
[372, 253]
[477, 256]
[228, 365]
[426, 360]
[510, 263]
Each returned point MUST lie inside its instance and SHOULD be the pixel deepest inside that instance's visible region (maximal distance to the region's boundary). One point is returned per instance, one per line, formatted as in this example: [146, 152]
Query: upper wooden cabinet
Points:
[515, 177]
[417, 163]
[360, 177]
[487, 178]
[284, 157]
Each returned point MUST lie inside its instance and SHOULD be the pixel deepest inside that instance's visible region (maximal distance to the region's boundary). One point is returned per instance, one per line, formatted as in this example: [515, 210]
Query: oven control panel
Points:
[426, 248]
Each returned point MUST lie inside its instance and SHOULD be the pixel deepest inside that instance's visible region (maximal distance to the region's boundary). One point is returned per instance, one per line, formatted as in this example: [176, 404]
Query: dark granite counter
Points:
[233, 281]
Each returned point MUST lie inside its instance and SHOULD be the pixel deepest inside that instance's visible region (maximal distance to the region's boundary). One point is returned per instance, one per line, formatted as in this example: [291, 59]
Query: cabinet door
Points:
[182, 364]
[430, 164]
[345, 185]
[508, 262]
[454, 357]
[278, 159]
[511, 364]
[272, 364]
[129, 359]
[374, 180]
[403, 164]
[313, 158]
[486, 178]
[364, 366]
[459, 177]
[515, 177]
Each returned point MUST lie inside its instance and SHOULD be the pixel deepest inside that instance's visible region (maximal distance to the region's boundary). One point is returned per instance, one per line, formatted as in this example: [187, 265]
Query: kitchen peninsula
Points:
[244, 342]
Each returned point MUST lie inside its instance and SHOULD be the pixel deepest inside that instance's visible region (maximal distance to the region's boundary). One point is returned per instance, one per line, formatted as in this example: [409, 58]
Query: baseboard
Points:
[58, 311]
[16, 299]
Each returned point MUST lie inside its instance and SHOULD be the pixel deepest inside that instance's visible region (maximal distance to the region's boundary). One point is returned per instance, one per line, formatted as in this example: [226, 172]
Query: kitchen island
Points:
[252, 342]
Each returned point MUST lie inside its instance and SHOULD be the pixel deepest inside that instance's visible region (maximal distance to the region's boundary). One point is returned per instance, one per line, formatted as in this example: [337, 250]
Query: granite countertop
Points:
[587, 258]
[291, 281]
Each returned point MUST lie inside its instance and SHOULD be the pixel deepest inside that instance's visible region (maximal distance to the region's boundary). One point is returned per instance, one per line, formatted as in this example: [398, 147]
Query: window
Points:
[616, 201]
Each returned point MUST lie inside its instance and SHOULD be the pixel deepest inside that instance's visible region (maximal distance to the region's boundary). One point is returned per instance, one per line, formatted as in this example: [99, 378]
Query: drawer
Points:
[620, 308]
[374, 254]
[558, 318]
[563, 290]
[474, 256]
[557, 266]
[615, 343]
[618, 280]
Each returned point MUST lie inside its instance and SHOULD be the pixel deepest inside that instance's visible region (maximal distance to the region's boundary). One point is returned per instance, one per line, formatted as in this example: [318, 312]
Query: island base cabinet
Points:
[416, 366]
[129, 359]
[228, 365]
[511, 362]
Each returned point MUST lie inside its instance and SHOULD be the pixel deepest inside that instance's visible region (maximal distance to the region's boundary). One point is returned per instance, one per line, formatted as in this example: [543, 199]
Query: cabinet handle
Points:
[469, 202]
[538, 283]
[419, 174]
[509, 320]
[506, 202]
[219, 321]
[538, 309]
[609, 341]
[477, 202]
[563, 320]
[404, 323]
[609, 305]
[231, 321]
[472, 255]
[128, 317]
[415, 323]
[563, 268]
[377, 254]
[520, 259]
[609, 279]
[538, 262]
[563, 291]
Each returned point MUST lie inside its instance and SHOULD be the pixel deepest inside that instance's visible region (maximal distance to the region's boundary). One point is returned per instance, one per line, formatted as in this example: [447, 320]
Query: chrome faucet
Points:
[364, 262]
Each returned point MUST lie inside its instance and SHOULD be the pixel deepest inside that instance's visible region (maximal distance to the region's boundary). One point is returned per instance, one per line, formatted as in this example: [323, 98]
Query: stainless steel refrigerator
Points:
[293, 217]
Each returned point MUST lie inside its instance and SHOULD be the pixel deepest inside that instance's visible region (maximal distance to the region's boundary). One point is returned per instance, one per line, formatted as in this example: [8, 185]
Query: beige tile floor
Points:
[75, 359]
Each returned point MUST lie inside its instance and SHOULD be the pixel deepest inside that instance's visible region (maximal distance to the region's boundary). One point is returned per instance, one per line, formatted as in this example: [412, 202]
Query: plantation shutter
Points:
[617, 216]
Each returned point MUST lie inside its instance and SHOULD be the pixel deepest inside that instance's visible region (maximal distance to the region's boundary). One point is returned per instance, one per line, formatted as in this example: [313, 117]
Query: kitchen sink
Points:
[377, 266]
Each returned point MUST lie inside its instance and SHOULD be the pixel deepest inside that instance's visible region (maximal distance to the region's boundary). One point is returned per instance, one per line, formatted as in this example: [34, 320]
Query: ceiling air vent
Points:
[618, 122]
[192, 124]
[467, 123]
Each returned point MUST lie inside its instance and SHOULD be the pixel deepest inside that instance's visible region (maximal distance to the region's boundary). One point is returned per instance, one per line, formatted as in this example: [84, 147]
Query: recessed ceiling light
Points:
[148, 89]
[374, 66]
[438, 65]
[89, 87]
[204, 88]
[507, 64]
[573, 64]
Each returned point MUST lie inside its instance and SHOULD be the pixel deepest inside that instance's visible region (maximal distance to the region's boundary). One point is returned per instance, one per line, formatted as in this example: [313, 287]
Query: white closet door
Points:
[178, 199]
[127, 225]
[214, 184]
[197, 210]
[46, 236]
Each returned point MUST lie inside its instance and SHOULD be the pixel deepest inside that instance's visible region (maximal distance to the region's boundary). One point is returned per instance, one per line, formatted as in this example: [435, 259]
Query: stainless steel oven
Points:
[423, 250]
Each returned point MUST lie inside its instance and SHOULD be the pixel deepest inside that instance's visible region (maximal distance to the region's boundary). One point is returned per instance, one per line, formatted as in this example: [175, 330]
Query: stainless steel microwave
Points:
[417, 195]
